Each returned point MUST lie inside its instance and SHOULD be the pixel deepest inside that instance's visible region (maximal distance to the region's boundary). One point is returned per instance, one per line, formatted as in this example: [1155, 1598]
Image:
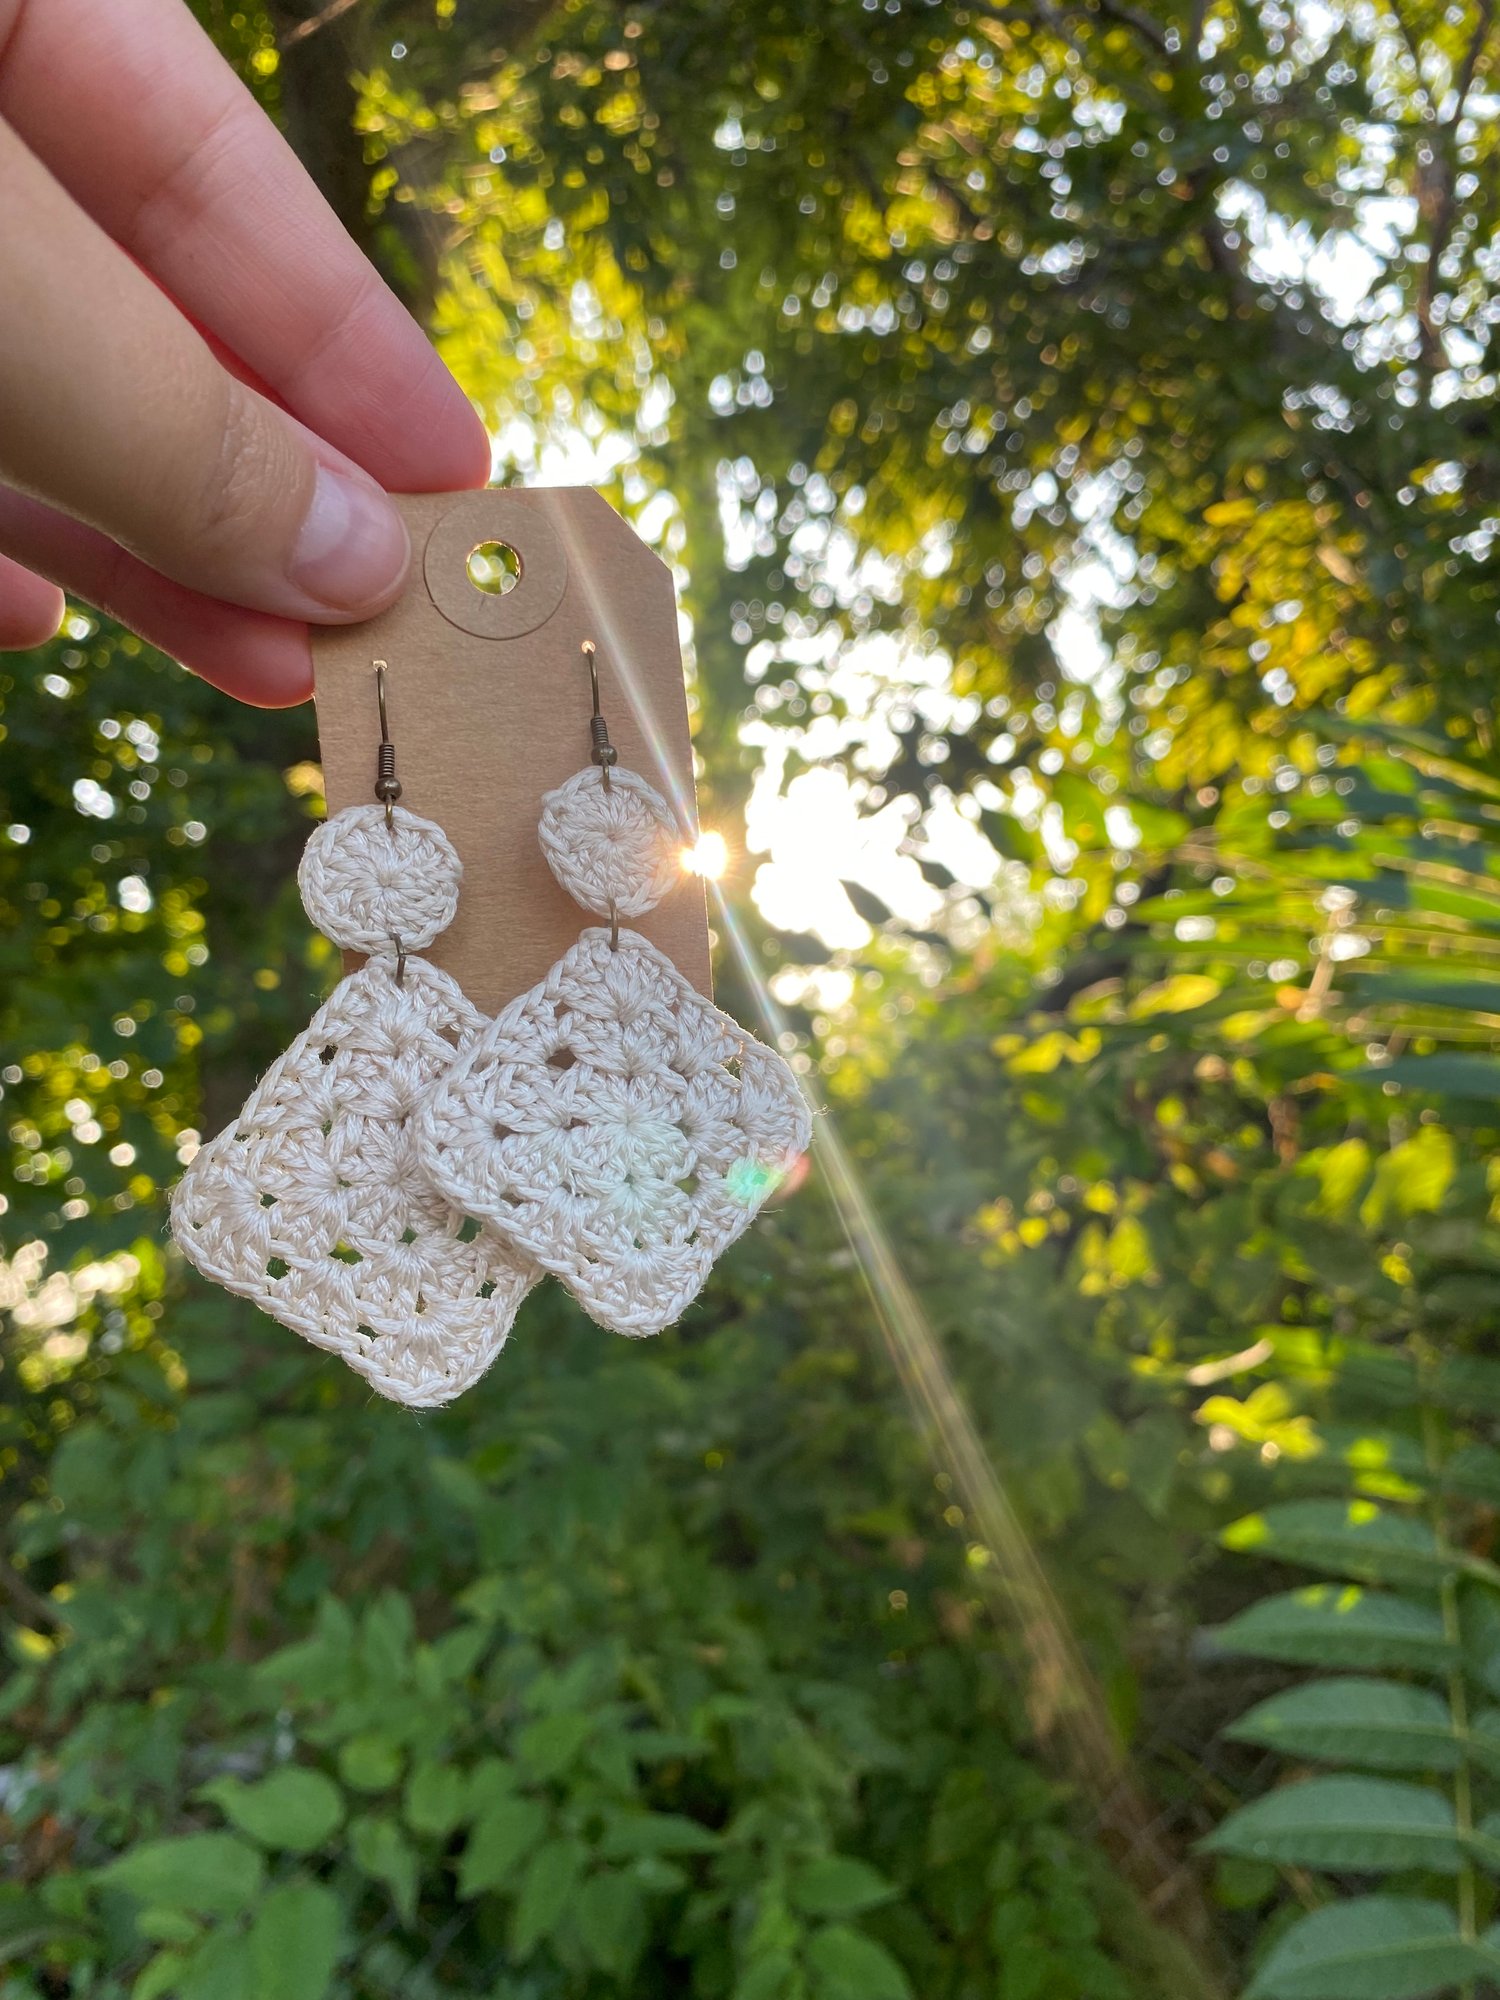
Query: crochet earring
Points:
[312, 1203]
[611, 1124]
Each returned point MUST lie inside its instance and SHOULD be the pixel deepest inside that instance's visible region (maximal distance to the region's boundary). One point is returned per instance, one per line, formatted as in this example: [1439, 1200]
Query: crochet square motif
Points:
[618, 1128]
[312, 1203]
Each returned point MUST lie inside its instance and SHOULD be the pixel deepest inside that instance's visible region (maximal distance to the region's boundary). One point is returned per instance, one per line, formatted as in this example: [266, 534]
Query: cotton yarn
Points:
[615, 848]
[312, 1203]
[615, 1128]
[376, 888]
[405, 1172]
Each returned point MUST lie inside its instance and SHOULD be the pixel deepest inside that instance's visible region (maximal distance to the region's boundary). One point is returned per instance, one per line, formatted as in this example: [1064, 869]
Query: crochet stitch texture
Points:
[611, 845]
[366, 884]
[617, 1129]
[312, 1202]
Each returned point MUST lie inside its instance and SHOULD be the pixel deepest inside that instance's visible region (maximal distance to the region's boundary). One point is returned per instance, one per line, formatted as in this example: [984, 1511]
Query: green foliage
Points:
[582, 1743]
[706, 1669]
[1329, 1627]
[1388, 1429]
[1381, 1725]
[209, 1873]
[291, 1809]
[1374, 1948]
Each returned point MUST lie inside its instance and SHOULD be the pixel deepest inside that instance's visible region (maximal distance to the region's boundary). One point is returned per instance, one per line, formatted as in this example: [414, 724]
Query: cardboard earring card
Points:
[488, 703]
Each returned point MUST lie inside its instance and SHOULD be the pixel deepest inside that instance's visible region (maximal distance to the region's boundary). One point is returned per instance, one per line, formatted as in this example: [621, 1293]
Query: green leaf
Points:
[1243, 1885]
[630, 1834]
[546, 1890]
[611, 1913]
[849, 1966]
[168, 1926]
[370, 1763]
[546, 1748]
[1479, 1615]
[1384, 1463]
[867, 904]
[1474, 1472]
[27, 1922]
[295, 1941]
[491, 1782]
[1327, 1625]
[293, 1809]
[388, 1628]
[382, 1851]
[159, 1975]
[1412, 1178]
[1346, 1824]
[1351, 1538]
[1383, 1724]
[1373, 1948]
[1484, 1739]
[436, 1796]
[213, 1873]
[218, 1969]
[1445, 1075]
[457, 1483]
[767, 1977]
[1381, 986]
[1467, 1382]
[660, 1877]
[505, 1832]
[837, 1885]
[1008, 837]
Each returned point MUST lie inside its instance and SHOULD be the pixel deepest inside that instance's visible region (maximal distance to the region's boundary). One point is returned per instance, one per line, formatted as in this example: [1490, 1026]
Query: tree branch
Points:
[1445, 162]
[1132, 17]
[29, 1603]
[1041, 14]
[322, 19]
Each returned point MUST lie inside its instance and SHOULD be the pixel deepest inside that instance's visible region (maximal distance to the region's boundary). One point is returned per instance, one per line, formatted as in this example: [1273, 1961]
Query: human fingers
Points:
[169, 152]
[264, 661]
[31, 609]
[124, 419]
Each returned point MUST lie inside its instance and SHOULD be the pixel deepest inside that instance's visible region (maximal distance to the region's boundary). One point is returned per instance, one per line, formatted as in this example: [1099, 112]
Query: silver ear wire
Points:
[604, 752]
[388, 790]
[387, 784]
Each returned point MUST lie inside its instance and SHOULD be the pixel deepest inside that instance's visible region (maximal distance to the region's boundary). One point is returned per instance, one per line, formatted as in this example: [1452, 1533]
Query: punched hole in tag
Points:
[494, 568]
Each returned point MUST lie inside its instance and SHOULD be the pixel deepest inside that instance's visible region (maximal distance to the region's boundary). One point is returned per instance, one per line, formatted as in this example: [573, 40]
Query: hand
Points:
[204, 387]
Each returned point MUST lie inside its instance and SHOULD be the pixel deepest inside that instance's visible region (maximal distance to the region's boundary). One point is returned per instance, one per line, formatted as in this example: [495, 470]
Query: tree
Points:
[972, 325]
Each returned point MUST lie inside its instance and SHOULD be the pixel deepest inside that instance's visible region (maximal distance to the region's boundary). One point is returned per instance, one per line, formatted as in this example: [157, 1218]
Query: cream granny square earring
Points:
[611, 1125]
[312, 1202]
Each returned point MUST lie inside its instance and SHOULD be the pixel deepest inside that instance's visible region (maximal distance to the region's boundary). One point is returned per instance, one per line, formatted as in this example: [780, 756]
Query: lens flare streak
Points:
[1063, 1698]
[1064, 1701]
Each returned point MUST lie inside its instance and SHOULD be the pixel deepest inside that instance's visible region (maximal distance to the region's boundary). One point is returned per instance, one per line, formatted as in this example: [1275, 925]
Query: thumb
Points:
[128, 422]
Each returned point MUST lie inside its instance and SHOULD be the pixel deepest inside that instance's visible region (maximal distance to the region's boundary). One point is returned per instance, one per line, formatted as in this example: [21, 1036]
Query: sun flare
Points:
[709, 858]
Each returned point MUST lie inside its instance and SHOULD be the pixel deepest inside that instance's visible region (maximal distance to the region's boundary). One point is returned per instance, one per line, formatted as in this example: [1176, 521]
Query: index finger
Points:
[164, 146]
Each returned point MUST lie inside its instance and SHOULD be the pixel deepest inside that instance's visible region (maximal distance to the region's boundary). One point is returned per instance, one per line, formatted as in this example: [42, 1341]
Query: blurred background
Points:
[1055, 1560]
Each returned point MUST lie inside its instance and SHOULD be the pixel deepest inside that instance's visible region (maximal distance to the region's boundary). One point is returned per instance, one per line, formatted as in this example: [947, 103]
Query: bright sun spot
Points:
[709, 858]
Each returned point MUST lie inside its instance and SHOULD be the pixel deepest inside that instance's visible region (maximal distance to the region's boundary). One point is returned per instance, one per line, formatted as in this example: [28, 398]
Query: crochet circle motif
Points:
[617, 846]
[366, 884]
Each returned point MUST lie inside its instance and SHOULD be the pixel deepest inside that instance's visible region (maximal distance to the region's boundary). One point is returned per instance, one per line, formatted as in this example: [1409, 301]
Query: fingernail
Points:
[352, 549]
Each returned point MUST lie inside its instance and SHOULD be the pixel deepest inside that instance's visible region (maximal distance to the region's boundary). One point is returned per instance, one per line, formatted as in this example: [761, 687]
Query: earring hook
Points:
[604, 752]
[387, 784]
[388, 790]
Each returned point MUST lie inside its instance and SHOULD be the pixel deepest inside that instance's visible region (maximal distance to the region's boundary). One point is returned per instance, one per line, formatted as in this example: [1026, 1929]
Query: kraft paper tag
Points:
[488, 703]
